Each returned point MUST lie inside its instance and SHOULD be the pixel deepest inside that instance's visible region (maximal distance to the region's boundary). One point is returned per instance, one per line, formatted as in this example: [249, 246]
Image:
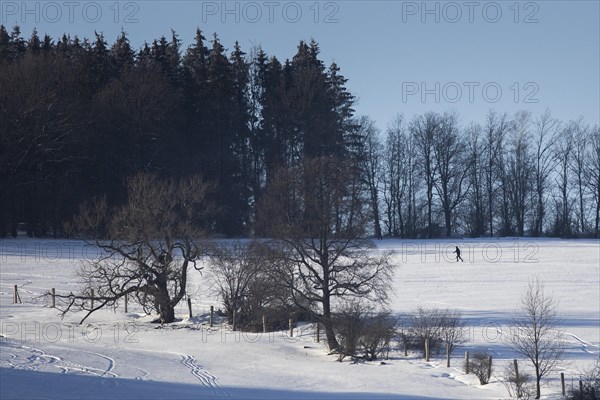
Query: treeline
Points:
[79, 117]
[520, 175]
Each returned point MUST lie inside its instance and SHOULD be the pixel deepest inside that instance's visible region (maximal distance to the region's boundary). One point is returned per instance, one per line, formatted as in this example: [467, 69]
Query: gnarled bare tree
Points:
[148, 245]
[318, 225]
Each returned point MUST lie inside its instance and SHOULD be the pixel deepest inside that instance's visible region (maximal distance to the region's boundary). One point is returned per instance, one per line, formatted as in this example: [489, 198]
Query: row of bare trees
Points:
[431, 176]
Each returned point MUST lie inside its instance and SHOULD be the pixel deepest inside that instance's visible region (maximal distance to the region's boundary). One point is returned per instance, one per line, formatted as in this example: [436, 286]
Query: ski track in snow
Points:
[36, 358]
[584, 345]
[206, 378]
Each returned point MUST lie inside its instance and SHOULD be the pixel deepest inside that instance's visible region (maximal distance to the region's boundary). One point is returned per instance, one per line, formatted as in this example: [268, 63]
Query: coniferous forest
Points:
[81, 116]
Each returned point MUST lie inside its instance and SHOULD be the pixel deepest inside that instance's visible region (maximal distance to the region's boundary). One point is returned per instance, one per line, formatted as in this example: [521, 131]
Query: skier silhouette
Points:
[458, 257]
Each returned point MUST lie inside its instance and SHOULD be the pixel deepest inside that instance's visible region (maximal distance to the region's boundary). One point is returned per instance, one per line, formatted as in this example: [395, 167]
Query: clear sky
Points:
[399, 56]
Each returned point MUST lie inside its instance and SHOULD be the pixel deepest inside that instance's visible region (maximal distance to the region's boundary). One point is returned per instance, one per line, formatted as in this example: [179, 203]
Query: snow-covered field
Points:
[122, 356]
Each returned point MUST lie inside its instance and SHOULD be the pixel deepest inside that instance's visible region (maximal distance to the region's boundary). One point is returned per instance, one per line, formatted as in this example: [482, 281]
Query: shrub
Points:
[591, 385]
[480, 366]
[362, 333]
[439, 326]
[519, 386]
[377, 335]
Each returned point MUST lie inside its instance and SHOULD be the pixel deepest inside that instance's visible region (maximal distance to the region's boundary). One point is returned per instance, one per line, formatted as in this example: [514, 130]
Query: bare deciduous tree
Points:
[545, 135]
[535, 331]
[452, 168]
[593, 175]
[494, 131]
[476, 217]
[581, 136]
[453, 331]
[318, 225]
[148, 245]
[425, 129]
[520, 169]
[370, 156]
[400, 181]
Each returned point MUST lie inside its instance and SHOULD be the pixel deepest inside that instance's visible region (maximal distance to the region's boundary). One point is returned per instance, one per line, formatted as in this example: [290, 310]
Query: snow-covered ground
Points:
[123, 356]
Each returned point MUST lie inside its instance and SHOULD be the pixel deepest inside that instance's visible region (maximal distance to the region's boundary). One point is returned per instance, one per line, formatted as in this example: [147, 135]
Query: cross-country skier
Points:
[458, 257]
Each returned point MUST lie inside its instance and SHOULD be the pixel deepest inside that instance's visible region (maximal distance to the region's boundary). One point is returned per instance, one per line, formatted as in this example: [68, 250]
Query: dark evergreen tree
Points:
[4, 44]
[122, 54]
[34, 44]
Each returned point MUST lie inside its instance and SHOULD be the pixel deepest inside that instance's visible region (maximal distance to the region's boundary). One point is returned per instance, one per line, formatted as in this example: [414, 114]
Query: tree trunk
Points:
[376, 220]
[167, 314]
[332, 342]
[597, 215]
[166, 308]
[581, 208]
[537, 383]
[491, 217]
[429, 212]
[448, 216]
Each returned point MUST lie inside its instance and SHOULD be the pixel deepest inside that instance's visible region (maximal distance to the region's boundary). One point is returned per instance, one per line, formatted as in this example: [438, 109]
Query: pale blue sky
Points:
[399, 56]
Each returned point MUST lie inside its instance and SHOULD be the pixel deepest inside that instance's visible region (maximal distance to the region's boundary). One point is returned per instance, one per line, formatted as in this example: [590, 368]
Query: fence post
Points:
[92, 297]
[189, 301]
[318, 332]
[126, 295]
[210, 321]
[516, 370]
[489, 369]
[467, 362]
[264, 321]
[562, 383]
[15, 295]
[53, 291]
[427, 350]
[581, 389]
[291, 323]
[447, 355]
